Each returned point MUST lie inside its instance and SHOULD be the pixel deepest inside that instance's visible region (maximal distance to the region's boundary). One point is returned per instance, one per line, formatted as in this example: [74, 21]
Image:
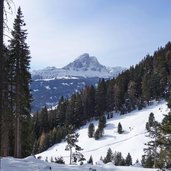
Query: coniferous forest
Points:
[23, 134]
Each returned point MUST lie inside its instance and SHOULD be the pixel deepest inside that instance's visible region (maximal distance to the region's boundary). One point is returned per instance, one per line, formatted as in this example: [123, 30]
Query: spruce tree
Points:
[97, 134]
[151, 157]
[91, 130]
[118, 159]
[165, 141]
[71, 140]
[21, 78]
[109, 156]
[90, 161]
[128, 160]
[120, 131]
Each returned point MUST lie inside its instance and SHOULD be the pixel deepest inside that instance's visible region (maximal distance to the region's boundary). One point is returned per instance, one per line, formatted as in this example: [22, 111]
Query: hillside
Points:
[132, 140]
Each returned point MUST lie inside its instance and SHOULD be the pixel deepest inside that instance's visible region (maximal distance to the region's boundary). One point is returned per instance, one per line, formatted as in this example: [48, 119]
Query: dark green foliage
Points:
[90, 161]
[97, 134]
[59, 160]
[71, 140]
[151, 120]
[151, 157]
[165, 141]
[118, 159]
[91, 130]
[120, 130]
[102, 122]
[44, 124]
[100, 98]
[109, 156]
[147, 161]
[128, 160]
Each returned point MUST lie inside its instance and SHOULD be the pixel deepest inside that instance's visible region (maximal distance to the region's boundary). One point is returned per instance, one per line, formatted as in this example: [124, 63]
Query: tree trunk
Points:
[1, 71]
[17, 114]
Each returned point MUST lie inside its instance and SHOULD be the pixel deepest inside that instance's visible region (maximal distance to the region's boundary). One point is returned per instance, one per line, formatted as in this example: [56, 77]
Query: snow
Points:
[32, 164]
[47, 87]
[132, 140]
[84, 66]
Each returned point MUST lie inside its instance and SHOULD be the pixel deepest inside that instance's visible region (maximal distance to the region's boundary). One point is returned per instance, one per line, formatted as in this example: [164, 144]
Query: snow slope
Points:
[32, 164]
[132, 140]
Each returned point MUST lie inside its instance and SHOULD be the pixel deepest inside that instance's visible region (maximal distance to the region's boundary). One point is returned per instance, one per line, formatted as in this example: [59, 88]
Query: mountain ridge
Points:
[83, 66]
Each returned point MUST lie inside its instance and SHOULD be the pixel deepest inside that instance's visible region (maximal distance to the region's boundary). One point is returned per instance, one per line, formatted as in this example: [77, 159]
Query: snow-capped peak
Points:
[85, 62]
[83, 66]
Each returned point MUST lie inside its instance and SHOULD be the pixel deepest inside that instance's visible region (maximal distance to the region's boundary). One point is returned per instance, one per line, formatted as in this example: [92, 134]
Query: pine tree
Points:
[165, 141]
[128, 160]
[101, 125]
[118, 159]
[44, 124]
[97, 134]
[151, 119]
[109, 156]
[100, 98]
[90, 161]
[120, 131]
[151, 157]
[21, 78]
[71, 140]
[91, 130]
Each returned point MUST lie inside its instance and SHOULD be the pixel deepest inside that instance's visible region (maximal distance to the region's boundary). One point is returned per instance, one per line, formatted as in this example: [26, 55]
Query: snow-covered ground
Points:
[132, 140]
[32, 164]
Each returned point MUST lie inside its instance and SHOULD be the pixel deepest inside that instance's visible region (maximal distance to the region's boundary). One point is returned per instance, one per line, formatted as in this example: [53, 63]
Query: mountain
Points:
[50, 83]
[84, 66]
[132, 140]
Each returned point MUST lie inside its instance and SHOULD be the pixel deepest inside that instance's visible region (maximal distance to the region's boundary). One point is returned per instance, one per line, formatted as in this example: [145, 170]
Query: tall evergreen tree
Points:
[165, 141]
[128, 160]
[151, 157]
[91, 130]
[120, 130]
[1, 71]
[21, 78]
[71, 140]
[109, 156]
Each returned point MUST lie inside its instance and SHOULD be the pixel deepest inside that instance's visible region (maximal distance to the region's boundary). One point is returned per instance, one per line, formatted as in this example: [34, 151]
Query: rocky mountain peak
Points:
[85, 62]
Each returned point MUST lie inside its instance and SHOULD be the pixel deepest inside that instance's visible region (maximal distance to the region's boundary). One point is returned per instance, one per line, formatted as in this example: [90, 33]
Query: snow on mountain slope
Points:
[132, 140]
[83, 66]
[32, 164]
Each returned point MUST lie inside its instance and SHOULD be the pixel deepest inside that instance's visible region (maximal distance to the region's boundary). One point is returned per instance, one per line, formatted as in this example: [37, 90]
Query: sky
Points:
[117, 32]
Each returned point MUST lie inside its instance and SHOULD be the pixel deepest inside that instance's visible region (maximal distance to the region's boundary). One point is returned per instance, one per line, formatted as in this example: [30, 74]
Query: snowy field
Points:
[132, 140]
[32, 164]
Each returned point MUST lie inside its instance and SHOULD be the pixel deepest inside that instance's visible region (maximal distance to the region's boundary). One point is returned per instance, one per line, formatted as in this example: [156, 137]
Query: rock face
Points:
[51, 83]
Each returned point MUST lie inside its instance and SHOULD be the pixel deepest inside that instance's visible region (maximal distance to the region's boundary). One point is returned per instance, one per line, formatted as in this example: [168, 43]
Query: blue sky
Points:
[117, 32]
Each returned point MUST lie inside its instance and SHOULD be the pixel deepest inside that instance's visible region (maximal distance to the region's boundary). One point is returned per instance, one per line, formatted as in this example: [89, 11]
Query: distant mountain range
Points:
[51, 83]
[84, 66]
